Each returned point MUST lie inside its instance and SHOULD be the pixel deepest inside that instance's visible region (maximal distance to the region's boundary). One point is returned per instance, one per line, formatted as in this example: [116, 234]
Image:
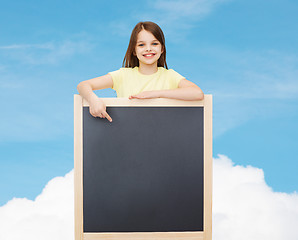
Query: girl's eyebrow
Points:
[144, 41]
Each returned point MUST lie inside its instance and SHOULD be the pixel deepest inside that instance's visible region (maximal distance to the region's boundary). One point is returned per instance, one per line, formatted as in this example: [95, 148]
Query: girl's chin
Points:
[149, 63]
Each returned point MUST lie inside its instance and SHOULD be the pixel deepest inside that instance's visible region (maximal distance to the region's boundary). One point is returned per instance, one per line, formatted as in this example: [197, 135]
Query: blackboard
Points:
[146, 175]
[144, 171]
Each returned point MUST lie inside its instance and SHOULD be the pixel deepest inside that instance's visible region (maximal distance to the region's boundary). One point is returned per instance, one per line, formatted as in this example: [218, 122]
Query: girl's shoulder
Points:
[171, 73]
[122, 70]
[171, 70]
[167, 71]
[128, 68]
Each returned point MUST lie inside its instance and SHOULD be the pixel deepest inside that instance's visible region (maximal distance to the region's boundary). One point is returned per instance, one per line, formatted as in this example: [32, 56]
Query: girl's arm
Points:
[186, 90]
[97, 107]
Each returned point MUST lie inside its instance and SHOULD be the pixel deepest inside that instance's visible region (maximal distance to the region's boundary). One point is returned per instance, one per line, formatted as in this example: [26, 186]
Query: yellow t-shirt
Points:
[129, 81]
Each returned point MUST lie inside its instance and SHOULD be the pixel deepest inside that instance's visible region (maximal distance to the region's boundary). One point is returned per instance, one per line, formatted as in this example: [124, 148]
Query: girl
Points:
[144, 73]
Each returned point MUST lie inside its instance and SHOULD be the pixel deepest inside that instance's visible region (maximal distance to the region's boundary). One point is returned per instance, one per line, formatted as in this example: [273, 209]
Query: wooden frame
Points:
[206, 234]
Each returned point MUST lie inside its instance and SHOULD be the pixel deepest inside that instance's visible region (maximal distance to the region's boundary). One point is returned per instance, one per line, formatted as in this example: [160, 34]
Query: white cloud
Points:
[177, 17]
[23, 46]
[196, 9]
[48, 217]
[45, 53]
[173, 16]
[244, 207]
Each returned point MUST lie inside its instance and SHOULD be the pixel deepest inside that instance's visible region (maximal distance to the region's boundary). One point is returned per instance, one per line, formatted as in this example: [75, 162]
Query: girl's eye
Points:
[141, 44]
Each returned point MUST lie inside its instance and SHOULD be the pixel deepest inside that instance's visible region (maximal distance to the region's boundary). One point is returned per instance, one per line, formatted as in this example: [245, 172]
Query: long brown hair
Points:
[130, 59]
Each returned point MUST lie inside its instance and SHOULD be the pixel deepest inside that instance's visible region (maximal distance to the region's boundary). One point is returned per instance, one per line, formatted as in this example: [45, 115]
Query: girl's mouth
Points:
[149, 55]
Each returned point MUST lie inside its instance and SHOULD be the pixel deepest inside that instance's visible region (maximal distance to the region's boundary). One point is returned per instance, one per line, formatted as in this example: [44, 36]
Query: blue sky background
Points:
[243, 52]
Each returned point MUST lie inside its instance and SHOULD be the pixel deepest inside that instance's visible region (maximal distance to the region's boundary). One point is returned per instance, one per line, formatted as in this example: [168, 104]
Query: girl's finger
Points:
[108, 116]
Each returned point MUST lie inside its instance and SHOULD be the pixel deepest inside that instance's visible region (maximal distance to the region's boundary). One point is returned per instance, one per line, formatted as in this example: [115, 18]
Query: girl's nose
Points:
[148, 47]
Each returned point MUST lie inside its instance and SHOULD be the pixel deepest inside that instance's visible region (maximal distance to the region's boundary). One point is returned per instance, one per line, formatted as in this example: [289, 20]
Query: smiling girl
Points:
[144, 74]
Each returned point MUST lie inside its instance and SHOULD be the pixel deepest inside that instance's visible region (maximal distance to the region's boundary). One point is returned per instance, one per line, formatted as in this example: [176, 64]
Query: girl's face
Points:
[148, 49]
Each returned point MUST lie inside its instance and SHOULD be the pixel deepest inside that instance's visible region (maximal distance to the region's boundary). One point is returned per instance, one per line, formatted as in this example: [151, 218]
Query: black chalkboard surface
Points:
[144, 172]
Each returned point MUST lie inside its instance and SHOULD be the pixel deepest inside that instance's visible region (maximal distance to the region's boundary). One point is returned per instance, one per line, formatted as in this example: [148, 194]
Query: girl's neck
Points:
[148, 69]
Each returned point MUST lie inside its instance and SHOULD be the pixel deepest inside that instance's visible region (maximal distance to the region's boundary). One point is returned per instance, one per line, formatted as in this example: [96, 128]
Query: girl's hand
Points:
[146, 95]
[97, 108]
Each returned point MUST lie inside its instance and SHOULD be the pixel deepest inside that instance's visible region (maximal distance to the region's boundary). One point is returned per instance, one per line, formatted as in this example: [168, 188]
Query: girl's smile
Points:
[149, 55]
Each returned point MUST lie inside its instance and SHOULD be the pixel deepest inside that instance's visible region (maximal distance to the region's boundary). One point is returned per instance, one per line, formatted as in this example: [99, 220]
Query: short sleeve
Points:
[117, 79]
[176, 77]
